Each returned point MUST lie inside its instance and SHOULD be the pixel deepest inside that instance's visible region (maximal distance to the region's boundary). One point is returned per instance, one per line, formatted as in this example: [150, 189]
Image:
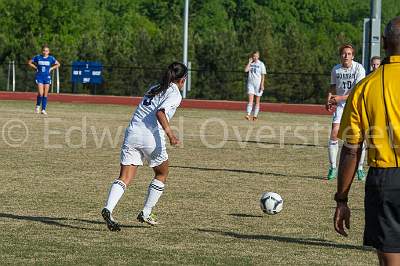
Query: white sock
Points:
[154, 192]
[249, 108]
[256, 110]
[362, 158]
[116, 191]
[333, 148]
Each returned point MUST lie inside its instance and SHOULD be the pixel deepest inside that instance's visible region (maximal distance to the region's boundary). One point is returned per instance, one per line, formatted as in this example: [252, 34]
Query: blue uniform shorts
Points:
[43, 80]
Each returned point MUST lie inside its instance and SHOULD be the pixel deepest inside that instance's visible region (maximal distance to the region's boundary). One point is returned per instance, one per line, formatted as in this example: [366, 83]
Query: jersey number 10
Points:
[347, 85]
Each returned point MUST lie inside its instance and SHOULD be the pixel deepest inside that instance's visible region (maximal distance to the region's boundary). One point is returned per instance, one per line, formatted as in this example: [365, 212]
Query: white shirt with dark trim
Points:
[145, 113]
[256, 70]
[345, 79]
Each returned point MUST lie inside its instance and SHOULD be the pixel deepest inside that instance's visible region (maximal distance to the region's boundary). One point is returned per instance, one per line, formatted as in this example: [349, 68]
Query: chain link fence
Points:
[287, 87]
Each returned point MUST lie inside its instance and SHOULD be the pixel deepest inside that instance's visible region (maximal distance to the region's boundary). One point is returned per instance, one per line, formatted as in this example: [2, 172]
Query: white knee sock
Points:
[256, 110]
[333, 148]
[362, 158]
[249, 108]
[154, 192]
[116, 191]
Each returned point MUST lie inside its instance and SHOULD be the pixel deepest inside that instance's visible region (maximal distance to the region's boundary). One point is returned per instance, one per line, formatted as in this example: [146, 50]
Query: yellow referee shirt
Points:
[372, 113]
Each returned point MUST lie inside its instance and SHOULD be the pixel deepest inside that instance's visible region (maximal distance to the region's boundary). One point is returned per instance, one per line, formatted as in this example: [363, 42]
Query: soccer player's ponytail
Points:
[174, 72]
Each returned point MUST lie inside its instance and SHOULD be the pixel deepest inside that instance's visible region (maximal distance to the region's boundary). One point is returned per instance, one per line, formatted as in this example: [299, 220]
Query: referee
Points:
[372, 113]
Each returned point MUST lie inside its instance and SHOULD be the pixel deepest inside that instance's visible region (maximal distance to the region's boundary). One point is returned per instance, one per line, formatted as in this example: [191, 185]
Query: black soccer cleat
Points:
[111, 223]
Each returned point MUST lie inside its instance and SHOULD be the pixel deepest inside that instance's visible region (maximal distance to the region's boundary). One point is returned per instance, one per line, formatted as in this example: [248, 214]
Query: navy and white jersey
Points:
[43, 64]
[145, 113]
[256, 70]
[345, 79]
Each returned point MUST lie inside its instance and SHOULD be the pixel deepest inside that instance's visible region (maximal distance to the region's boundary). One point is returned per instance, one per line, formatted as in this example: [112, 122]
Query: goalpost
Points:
[11, 75]
[372, 34]
[57, 74]
[185, 45]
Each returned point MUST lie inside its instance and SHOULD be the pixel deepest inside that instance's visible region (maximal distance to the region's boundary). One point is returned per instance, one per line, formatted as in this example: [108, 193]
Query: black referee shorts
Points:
[382, 209]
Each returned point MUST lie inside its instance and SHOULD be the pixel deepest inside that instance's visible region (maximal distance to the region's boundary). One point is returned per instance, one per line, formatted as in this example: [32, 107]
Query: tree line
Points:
[135, 39]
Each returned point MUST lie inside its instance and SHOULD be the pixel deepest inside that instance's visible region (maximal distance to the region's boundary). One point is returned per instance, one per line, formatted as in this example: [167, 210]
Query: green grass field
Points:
[56, 172]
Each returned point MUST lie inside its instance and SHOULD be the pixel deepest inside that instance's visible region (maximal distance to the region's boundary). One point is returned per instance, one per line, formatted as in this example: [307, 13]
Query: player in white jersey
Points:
[255, 84]
[145, 141]
[344, 77]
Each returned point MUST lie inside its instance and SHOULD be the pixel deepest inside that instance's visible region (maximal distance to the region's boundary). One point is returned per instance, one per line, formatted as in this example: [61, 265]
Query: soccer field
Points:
[56, 172]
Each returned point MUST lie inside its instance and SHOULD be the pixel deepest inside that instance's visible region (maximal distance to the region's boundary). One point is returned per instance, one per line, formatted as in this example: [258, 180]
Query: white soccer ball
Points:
[271, 203]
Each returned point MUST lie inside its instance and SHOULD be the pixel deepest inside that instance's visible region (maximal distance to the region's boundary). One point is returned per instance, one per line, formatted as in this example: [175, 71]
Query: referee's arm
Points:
[351, 133]
[349, 158]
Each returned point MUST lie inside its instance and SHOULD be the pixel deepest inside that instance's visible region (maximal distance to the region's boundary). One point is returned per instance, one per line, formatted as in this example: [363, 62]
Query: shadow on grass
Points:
[279, 143]
[245, 215]
[58, 221]
[286, 239]
[244, 171]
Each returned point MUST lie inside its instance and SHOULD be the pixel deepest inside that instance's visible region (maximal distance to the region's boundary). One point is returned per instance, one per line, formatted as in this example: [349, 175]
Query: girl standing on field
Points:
[145, 140]
[255, 84]
[43, 64]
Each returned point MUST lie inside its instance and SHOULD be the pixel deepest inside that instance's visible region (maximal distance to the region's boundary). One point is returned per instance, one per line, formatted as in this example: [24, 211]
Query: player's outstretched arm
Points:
[341, 98]
[162, 119]
[56, 65]
[31, 64]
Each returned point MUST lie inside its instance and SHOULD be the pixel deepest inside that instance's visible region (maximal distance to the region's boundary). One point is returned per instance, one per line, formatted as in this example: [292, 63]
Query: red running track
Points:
[186, 103]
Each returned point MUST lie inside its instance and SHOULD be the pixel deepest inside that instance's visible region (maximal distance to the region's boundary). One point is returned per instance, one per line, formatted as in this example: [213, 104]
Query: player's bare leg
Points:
[333, 149]
[161, 172]
[154, 193]
[388, 259]
[249, 106]
[127, 173]
[256, 108]
[39, 97]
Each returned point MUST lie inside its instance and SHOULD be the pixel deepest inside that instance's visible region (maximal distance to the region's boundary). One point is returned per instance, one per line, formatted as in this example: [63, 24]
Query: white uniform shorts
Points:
[253, 88]
[141, 144]
[337, 115]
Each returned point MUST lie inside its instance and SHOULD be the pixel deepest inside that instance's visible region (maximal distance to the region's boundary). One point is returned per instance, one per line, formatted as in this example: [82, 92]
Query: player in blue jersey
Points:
[145, 141]
[43, 64]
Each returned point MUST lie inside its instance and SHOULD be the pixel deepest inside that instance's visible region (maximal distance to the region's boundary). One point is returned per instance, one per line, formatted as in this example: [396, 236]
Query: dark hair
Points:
[45, 46]
[174, 72]
[346, 46]
[392, 32]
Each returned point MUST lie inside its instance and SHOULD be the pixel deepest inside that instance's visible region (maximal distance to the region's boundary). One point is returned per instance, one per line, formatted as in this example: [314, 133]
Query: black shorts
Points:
[382, 209]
